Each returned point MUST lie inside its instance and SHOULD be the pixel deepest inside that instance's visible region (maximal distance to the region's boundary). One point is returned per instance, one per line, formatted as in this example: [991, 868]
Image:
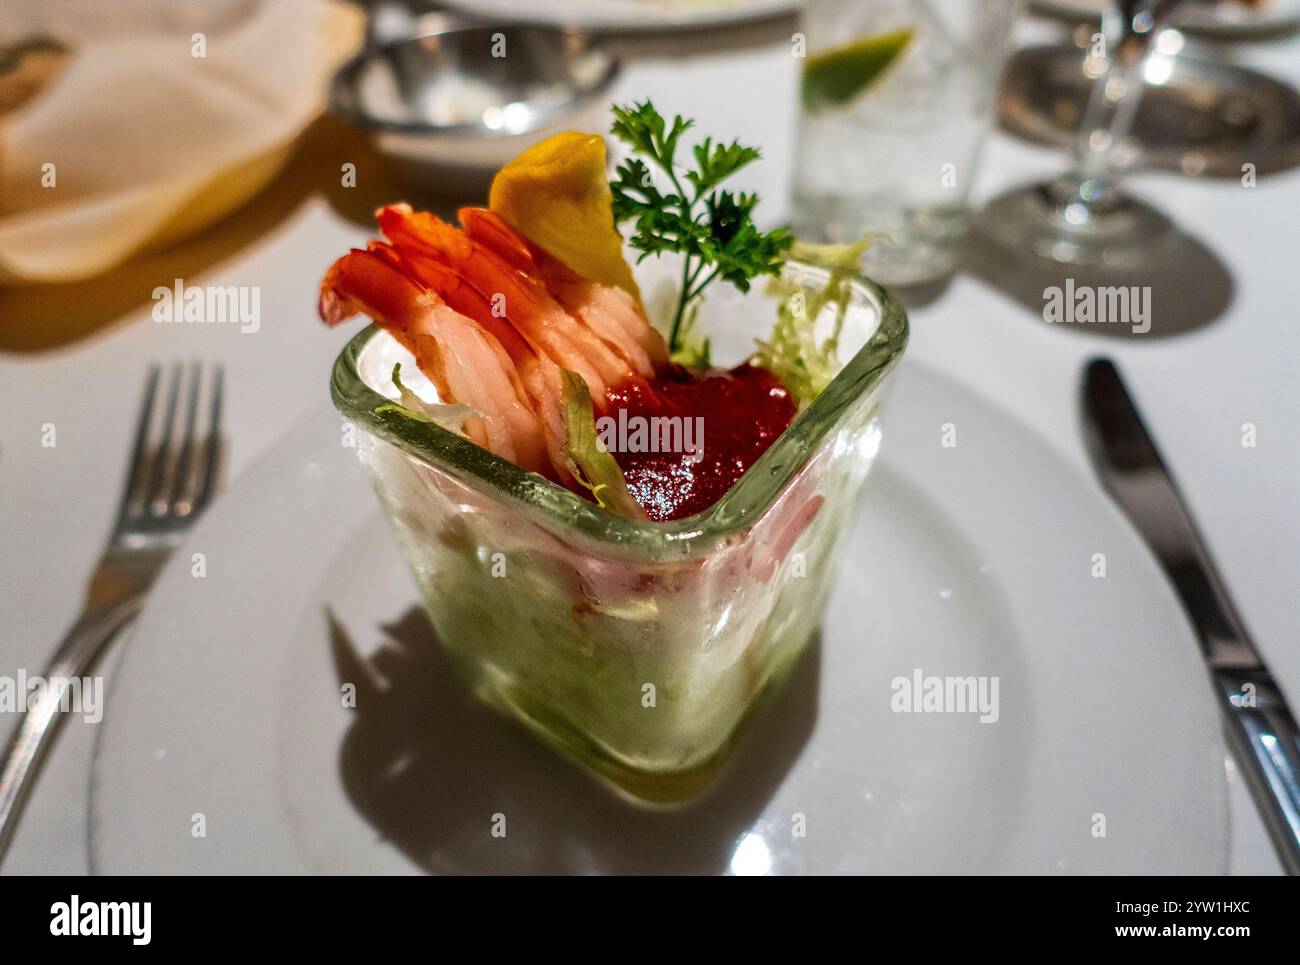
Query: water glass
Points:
[895, 147]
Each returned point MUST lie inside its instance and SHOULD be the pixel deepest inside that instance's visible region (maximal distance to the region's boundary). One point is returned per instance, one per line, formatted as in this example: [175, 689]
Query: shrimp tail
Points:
[465, 363]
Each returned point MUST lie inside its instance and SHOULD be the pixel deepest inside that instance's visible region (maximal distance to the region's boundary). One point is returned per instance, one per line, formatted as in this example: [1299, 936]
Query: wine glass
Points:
[1084, 217]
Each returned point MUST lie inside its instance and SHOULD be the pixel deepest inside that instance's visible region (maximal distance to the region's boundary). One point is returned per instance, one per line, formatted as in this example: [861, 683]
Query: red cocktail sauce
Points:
[742, 411]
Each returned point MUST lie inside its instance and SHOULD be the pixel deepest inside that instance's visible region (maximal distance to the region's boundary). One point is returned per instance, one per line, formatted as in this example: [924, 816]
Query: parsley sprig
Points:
[713, 229]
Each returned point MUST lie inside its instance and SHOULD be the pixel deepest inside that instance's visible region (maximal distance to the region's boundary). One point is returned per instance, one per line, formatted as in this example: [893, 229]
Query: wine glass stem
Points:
[1113, 102]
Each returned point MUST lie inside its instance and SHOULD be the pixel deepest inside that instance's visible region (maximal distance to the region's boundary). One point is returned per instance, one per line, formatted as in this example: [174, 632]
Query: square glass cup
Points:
[638, 648]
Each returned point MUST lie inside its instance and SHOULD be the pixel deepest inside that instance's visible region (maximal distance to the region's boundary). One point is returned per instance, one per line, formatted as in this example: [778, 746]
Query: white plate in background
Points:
[1227, 21]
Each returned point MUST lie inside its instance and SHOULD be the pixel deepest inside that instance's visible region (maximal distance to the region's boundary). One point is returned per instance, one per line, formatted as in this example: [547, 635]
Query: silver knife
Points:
[1260, 729]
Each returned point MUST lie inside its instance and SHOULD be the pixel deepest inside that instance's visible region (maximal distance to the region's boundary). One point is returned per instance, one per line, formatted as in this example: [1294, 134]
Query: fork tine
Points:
[140, 463]
[164, 457]
[181, 501]
[210, 460]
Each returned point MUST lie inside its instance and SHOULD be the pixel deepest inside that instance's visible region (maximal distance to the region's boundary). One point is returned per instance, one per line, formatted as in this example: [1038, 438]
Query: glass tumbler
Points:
[897, 96]
[637, 648]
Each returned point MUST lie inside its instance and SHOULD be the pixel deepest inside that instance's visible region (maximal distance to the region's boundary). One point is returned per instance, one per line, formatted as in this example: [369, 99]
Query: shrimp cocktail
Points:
[621, 508]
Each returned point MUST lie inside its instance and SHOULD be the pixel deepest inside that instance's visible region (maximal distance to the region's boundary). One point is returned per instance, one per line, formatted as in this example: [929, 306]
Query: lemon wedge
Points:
[556, 194]
[835, 77]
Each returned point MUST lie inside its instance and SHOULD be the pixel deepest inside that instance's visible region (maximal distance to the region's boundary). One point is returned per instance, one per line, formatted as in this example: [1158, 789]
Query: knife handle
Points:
[1263, 735]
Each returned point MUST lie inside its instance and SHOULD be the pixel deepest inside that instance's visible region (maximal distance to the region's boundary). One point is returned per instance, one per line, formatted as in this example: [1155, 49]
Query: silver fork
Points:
[170, 482]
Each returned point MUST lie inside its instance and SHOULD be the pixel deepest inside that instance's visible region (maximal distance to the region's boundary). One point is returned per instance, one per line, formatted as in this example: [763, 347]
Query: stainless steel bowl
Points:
[472, 97]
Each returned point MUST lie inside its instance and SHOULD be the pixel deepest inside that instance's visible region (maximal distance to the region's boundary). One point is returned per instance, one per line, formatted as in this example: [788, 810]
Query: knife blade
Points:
[1260, 729]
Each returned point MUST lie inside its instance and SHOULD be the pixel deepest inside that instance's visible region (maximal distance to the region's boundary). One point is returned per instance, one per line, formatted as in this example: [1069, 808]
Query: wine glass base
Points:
[1041, 220]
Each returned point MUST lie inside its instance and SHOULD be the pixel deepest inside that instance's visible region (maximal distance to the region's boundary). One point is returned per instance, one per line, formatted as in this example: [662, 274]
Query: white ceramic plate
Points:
[969, 560]
[1225, 20]
[626, 14]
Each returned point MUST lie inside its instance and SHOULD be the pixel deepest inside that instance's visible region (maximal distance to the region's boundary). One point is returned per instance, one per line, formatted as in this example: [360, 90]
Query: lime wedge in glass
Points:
[835, 77]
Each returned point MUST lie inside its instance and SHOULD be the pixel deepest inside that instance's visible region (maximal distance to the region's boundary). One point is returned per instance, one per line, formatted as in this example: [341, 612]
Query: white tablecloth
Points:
[1195, 388]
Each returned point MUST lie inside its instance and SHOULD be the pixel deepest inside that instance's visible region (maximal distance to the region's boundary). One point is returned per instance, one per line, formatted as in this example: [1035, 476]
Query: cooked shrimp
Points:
[539, 379]
[613, 314]
[610, 313]
[490, 229]
[525, 303]
[465, 363]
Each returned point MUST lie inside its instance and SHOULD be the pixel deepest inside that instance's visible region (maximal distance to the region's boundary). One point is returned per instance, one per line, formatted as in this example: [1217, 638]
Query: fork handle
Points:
[40, 723]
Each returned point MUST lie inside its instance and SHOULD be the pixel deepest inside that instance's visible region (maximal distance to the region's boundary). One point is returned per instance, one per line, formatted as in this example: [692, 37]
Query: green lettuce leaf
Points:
[792, 353]
[450, 417]
[592, 466]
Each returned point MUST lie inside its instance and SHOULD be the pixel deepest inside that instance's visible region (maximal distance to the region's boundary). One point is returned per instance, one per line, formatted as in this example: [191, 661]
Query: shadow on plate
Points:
[1190, 287]
[429, 765]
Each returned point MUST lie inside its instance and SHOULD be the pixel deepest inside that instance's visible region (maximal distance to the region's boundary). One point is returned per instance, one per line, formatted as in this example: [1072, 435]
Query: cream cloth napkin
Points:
[148, 141]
